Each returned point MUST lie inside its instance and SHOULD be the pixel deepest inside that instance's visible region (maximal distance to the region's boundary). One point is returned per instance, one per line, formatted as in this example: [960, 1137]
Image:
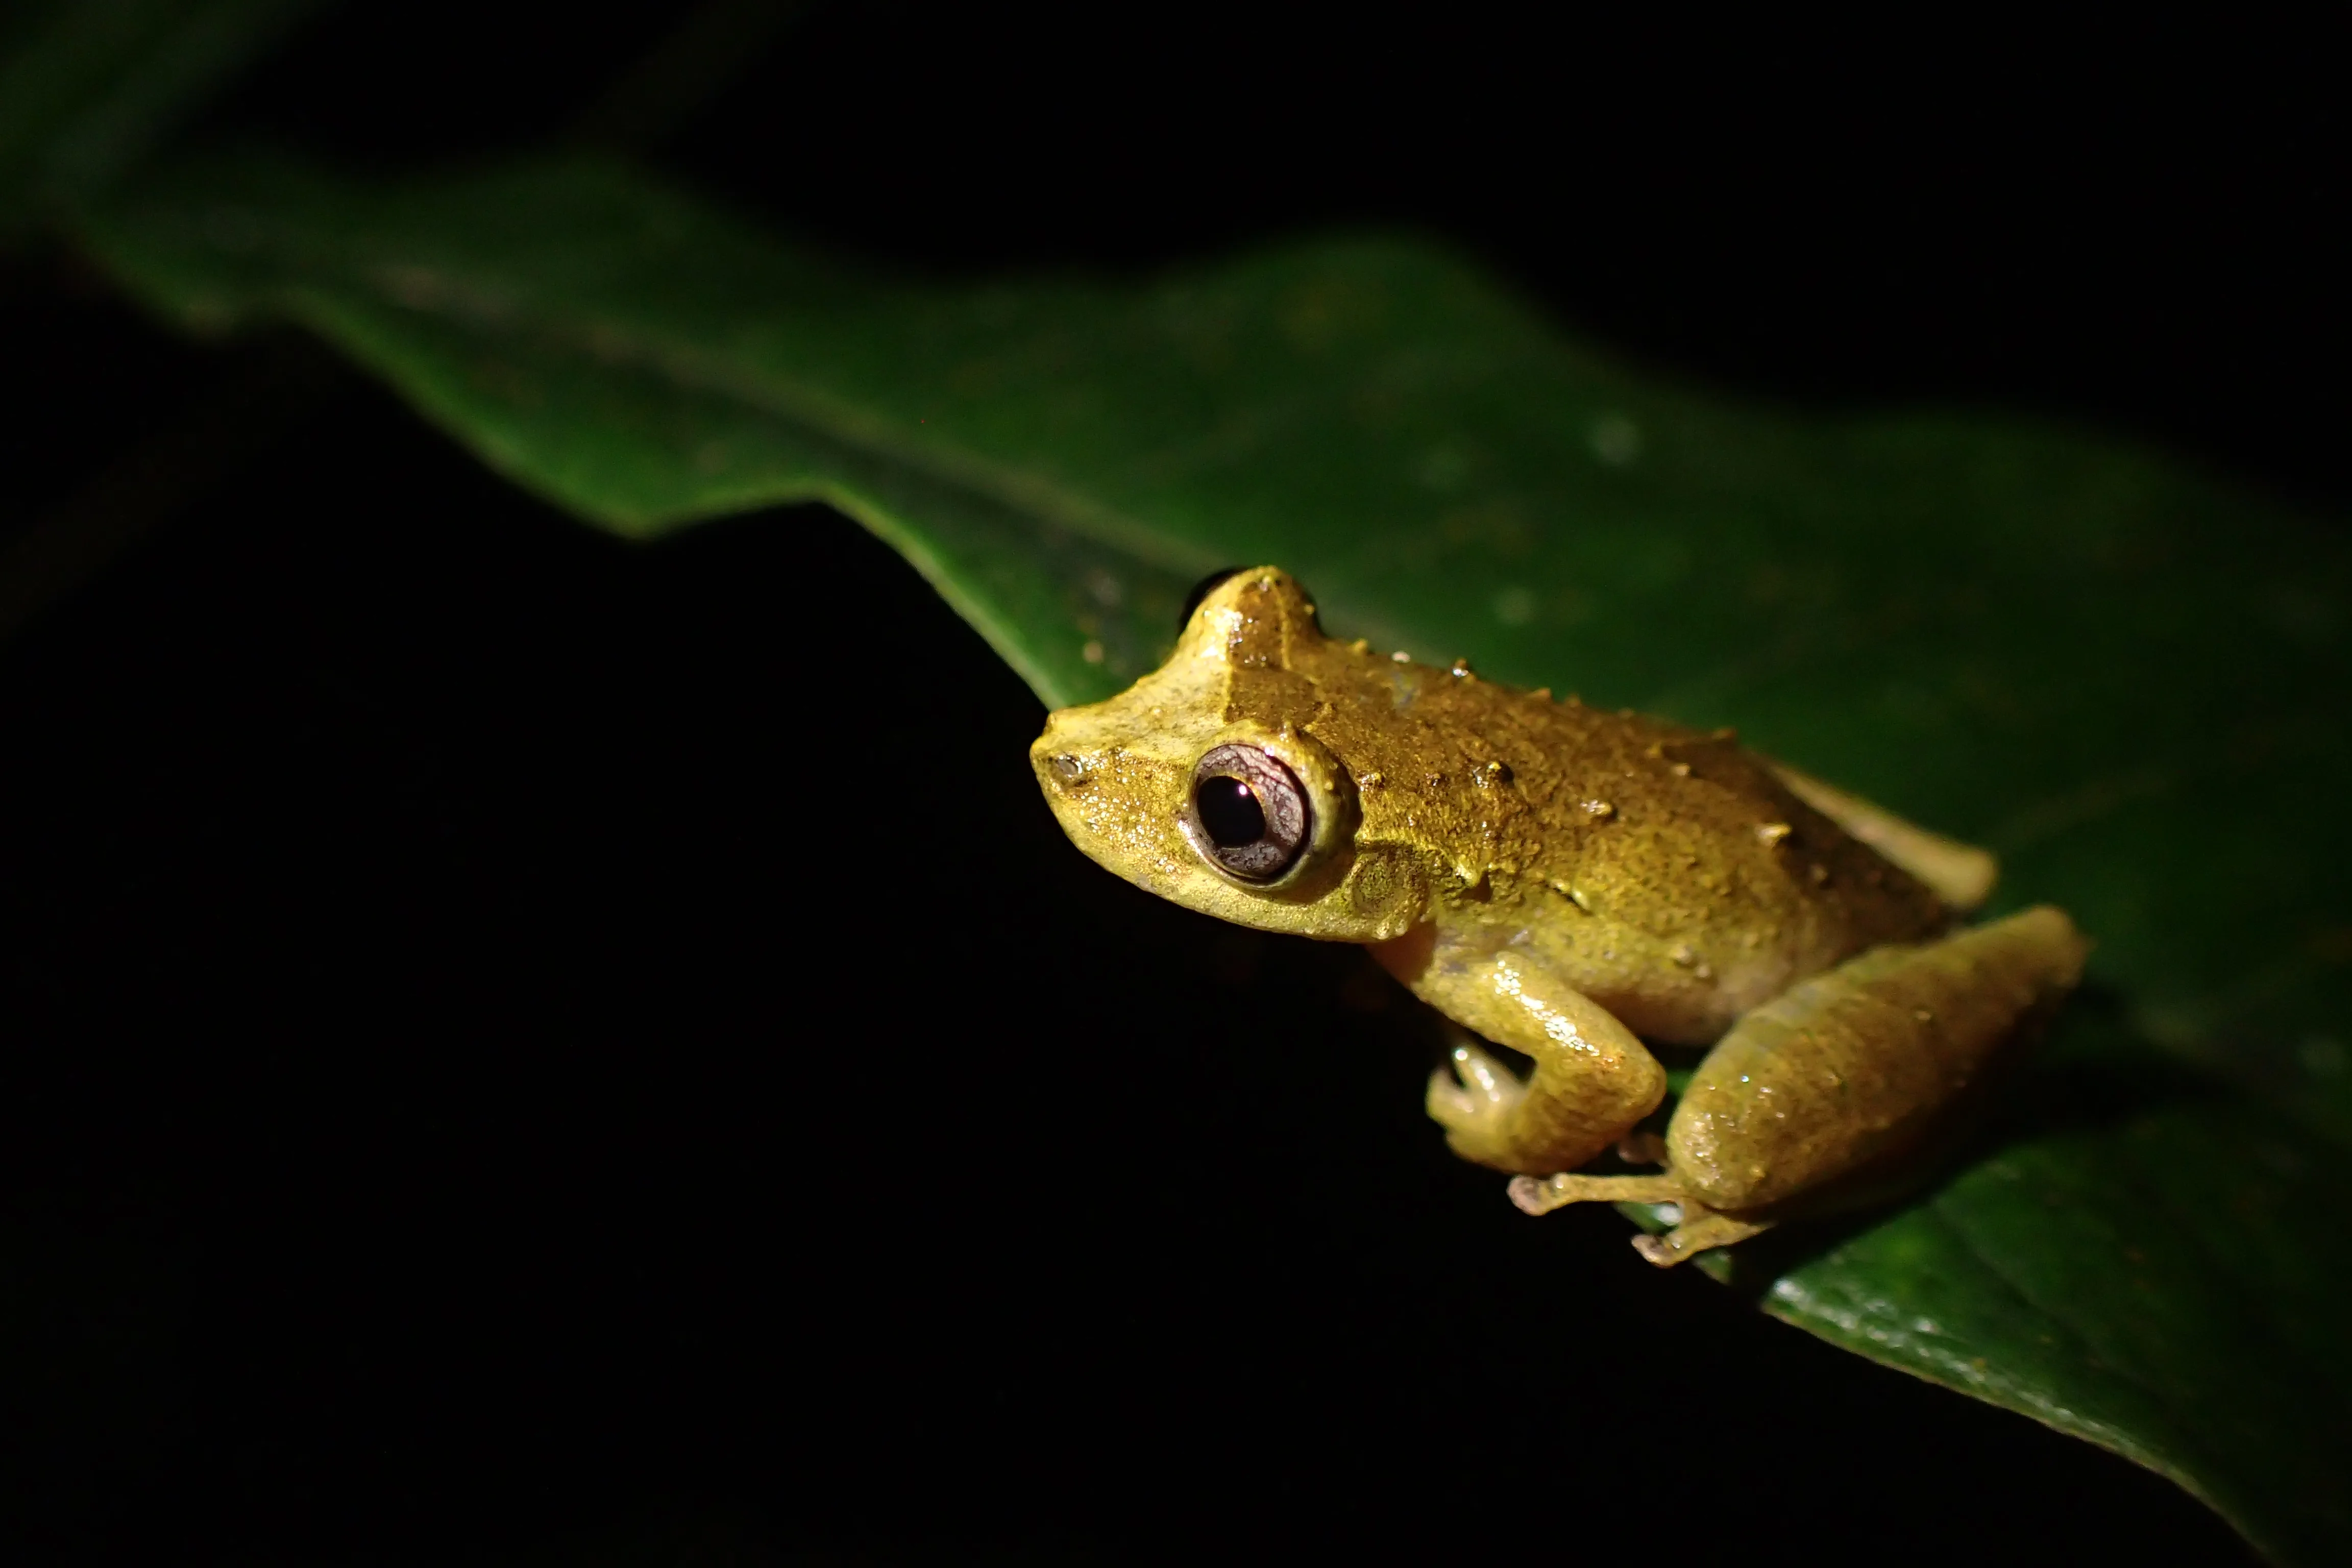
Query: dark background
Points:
[524, 1047]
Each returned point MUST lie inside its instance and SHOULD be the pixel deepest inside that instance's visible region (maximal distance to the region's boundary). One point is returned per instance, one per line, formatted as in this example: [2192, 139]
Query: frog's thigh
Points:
[1853, 1066]
[1592, 1081]
[1846, 1068]
[1961, 875]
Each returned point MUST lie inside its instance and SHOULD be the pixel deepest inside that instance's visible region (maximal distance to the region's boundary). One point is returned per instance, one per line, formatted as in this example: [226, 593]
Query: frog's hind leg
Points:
[1831, 1081]
[1541, 1195]
[1815, 1098]
[1961, 875]
[1696, 1228]
[1700, 1229]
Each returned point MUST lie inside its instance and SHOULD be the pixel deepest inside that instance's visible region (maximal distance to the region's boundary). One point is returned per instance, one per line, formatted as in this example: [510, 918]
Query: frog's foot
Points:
[1700, 1229]
[1476, 1107]
[1696, 1230]
[1541, 1195]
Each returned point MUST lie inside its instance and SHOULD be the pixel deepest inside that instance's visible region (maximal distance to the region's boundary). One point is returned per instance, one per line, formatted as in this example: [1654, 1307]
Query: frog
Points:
[1588, 889]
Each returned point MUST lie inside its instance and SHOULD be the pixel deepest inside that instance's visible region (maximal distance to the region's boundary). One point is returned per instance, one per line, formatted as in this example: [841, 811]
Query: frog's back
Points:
[1670, 873]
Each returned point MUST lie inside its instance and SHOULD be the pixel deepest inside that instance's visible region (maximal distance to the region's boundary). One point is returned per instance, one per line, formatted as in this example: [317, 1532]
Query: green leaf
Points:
[2136, 1265]
[2121, 674]
[88, 87]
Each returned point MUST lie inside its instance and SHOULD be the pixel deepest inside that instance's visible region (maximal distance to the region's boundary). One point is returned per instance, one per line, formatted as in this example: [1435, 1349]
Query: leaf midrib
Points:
[616, 340]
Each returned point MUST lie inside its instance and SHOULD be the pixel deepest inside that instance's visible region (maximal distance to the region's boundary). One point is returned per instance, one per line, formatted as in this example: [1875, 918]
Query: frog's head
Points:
[1203, 781]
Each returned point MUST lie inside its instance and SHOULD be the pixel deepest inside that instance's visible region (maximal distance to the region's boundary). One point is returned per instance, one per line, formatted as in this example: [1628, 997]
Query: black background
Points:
[525, 1048]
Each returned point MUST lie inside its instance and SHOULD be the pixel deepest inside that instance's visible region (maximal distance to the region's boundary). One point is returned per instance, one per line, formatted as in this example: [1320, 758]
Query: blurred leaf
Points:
[2124, 675]
[88, 87]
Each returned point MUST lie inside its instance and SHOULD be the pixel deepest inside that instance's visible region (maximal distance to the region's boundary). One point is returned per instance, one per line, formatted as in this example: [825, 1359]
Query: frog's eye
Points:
[1247, 812]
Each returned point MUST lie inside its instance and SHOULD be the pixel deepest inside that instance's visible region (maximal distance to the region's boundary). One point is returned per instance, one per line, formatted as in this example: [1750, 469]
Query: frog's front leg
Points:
[1835, 1078]
[1592, 1079]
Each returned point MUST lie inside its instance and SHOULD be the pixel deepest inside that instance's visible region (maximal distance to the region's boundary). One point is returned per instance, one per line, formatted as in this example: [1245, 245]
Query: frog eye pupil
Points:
[1247, 814]
[1230, 812]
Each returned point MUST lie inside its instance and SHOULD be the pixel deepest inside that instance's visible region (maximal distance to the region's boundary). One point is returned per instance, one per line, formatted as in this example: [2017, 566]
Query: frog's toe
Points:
[1474, 1091]
[1486, 1080]
[1474, 1099]
[1541, 1195]
[1450, 1104]
[1700, 1230]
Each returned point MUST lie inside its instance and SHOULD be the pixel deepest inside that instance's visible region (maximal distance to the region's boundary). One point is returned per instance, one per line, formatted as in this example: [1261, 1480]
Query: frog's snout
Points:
[1056, 764]
[1068, 775]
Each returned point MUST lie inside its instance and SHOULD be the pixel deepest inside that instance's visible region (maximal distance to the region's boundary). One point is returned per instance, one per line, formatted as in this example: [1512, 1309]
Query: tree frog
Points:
[1570, 883]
